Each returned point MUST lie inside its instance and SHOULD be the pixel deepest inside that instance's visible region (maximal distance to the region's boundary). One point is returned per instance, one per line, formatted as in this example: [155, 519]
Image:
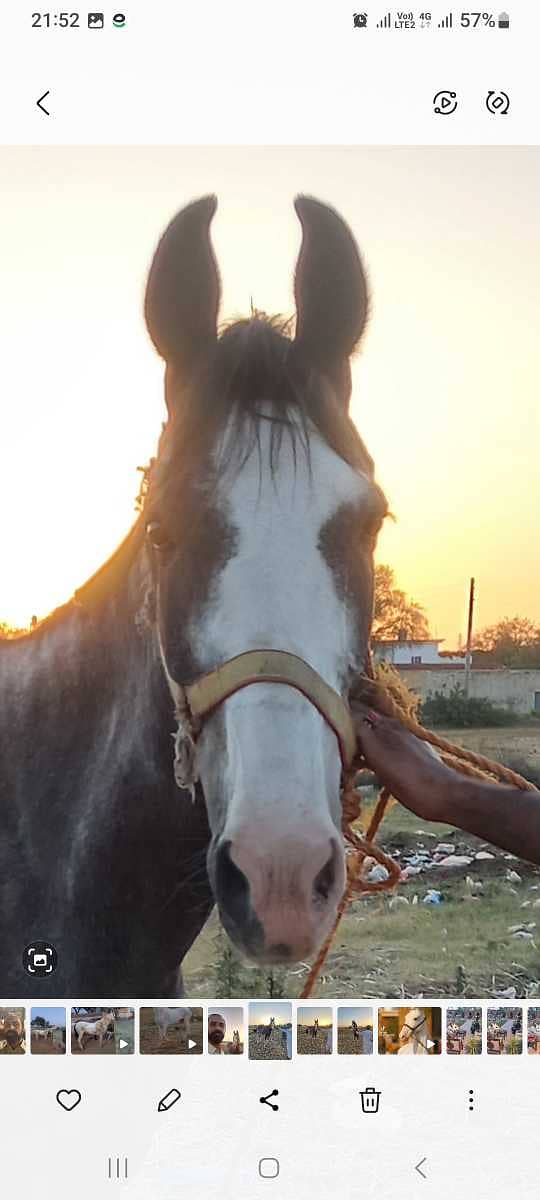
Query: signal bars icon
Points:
[447, 22]
[386, 22]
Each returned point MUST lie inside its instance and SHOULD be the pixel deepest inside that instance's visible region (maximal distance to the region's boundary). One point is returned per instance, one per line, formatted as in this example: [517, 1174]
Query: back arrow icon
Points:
[40, 105]
[419, 1166]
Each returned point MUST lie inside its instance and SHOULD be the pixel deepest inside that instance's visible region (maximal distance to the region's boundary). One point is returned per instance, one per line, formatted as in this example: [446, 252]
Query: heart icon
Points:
[68, 1100]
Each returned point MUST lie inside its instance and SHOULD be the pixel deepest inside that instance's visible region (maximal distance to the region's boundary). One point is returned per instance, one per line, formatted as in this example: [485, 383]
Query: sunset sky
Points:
[445, 387]
[261, 1012]
[307, 1015]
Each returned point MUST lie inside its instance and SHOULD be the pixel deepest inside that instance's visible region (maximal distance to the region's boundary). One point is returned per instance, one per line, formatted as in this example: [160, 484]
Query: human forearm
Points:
[506, 816]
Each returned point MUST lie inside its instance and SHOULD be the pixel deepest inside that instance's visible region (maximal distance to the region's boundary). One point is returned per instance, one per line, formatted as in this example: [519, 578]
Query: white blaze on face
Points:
[275, 783]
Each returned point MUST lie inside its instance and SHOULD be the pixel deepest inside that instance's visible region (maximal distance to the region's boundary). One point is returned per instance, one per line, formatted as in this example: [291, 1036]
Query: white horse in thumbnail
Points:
[165, 1018]
[93, 1029]
[414, 1033]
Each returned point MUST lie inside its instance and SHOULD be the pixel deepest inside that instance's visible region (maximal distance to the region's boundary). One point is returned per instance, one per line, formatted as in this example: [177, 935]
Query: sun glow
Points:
[445, 387]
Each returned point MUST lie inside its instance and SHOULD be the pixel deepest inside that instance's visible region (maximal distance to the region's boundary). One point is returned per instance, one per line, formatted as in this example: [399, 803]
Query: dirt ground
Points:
[91, 1045]
[259, 1047]
[347, 1044]
[176, 1041]
[306, 1044]
[44, 1046]
[465, 946]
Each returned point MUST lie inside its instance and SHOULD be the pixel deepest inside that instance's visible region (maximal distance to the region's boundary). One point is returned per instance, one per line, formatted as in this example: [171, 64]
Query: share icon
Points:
[267, 1100]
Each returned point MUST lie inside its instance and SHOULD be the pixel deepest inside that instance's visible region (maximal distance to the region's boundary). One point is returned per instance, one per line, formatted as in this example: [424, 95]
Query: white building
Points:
[424, 652]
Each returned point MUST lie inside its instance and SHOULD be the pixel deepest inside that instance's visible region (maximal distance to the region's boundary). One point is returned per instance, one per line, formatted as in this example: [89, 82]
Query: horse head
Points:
[262, 515]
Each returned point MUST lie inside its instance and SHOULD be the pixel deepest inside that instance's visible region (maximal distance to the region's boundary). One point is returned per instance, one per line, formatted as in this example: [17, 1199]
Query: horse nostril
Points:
[232, 883]
[326, 878]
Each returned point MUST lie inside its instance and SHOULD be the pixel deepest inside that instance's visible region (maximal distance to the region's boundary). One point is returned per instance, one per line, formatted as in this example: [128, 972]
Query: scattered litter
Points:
[432, 897]
[455, 860]
[524, 934]
[508, 994]
[483, 856]
[513, 877]
[445, 848]
[396, 900]
[409, 873]
[377, 874]
[475, 886]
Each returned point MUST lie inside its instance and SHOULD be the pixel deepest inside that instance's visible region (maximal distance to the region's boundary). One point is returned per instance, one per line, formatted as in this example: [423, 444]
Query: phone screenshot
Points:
[270, 602]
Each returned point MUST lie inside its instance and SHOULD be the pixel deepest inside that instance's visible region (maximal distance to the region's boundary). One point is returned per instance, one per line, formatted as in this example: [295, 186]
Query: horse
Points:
[165, 1018]
[268, 1029]
[97, 1029]
[235, 616]
[414, 1034]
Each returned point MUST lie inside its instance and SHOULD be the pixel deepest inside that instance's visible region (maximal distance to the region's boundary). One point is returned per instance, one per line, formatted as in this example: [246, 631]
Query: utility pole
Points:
[469, 639]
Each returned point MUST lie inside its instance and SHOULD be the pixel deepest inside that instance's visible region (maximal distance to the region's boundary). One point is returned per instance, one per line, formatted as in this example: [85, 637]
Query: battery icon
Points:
[504, 21]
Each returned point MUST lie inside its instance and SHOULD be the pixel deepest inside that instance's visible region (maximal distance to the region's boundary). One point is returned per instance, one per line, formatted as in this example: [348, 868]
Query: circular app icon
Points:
[498, 103]
[445, 103]
[119, 20]
[40, 959]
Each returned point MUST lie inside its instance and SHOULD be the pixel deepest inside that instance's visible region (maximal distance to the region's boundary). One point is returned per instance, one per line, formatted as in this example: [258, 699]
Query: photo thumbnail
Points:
[504, 1030]
[314, 1030]
[364, 397]
[48, 1031]
[533, 1031]
[171, 1030]
[410, 1030]
[104, 1030]
[226, 1030]
[464, 1031]
[270, 1029]
[12, 1031]
[355, 1030]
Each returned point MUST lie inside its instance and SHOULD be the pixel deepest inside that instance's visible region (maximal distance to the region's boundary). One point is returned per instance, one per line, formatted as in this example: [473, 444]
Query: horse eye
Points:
[157, 535]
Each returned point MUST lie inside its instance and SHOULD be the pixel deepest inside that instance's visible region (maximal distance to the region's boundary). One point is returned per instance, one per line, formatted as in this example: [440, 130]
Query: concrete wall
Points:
[509, 689]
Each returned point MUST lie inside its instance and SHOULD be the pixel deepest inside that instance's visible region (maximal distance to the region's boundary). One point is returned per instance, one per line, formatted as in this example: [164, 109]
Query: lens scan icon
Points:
[96, 20]
[119, 20]
[40, 959]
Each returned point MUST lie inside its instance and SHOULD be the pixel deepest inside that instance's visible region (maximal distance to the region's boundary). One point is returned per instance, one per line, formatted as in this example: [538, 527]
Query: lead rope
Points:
[385, 696]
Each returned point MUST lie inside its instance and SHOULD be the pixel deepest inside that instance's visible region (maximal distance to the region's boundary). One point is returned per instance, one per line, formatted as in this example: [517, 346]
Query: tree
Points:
[394, 614]
[512, 642]
[9, 631]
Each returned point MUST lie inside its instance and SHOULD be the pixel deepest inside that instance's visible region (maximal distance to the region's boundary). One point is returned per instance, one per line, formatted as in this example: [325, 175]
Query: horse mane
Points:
[255, 373]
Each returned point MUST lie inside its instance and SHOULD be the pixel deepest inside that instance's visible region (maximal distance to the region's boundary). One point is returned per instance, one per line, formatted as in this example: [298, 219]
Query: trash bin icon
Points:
[370, 1100]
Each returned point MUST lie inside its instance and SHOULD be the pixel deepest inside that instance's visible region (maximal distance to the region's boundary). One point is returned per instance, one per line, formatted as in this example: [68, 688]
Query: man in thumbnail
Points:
[216, 1033]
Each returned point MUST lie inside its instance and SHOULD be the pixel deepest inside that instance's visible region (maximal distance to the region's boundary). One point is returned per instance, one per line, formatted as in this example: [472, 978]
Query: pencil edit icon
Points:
[168, 1100]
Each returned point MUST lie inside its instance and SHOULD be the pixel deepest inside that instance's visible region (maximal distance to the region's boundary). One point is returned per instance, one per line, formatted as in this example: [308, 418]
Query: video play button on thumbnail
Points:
[445, 103]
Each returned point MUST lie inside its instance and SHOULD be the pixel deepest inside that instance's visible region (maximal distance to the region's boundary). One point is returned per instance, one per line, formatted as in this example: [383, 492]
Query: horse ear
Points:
[183, 289]
[330, 291]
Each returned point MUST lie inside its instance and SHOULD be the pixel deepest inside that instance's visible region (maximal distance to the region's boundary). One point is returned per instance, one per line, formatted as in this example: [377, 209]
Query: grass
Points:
[460, 948]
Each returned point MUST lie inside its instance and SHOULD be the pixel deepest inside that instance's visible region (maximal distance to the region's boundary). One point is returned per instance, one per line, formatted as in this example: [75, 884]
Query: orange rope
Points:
[388, 700]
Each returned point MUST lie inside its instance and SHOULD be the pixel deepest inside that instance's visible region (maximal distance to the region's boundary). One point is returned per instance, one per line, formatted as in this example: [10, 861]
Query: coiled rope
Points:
[382, 689]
